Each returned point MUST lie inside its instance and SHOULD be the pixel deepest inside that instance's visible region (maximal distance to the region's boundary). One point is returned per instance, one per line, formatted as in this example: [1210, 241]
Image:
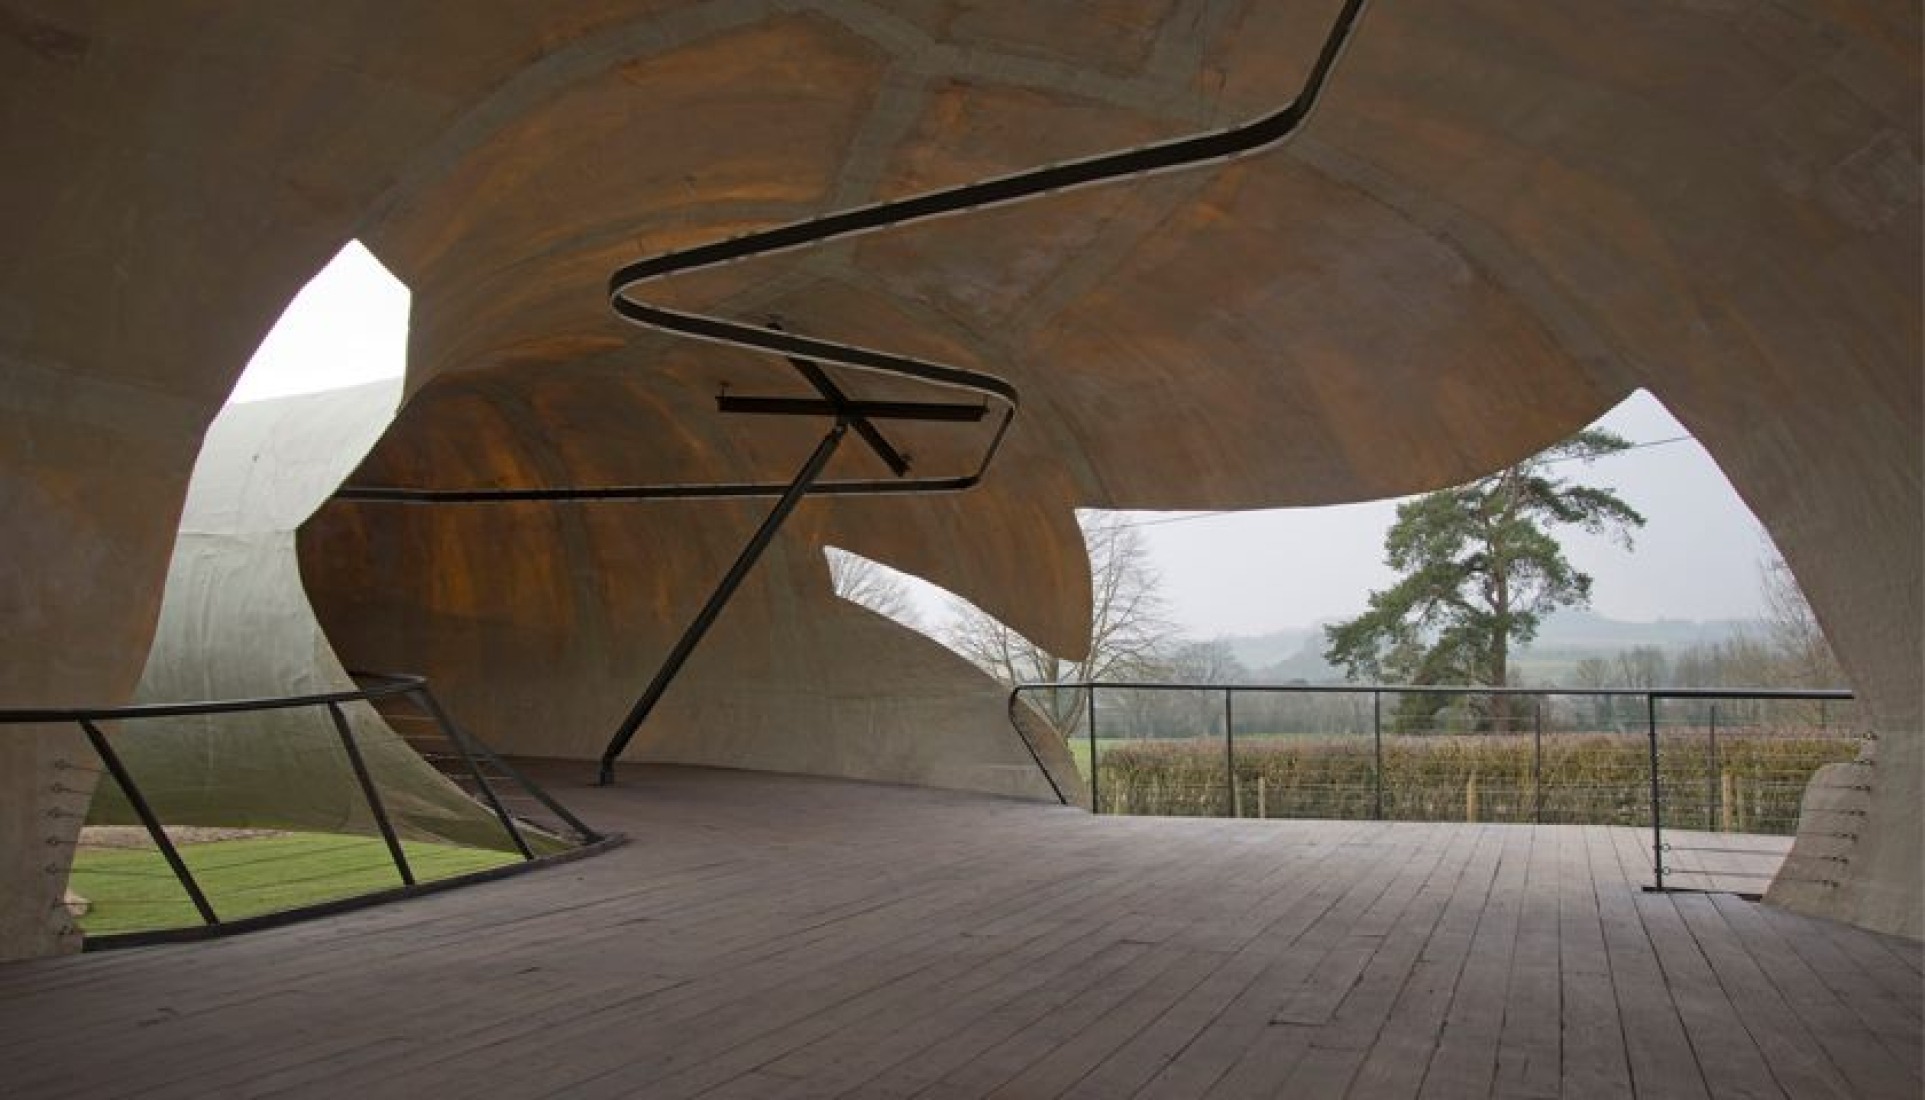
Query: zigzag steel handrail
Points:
[1212, 147]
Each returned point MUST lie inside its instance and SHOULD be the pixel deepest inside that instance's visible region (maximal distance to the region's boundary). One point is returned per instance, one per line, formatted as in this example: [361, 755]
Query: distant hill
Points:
[1295, 654]
[1587, 630]
[1264, 650]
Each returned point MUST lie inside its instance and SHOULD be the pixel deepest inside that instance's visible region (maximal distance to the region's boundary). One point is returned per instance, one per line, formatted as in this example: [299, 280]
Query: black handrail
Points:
[1792, 694]
[374, 686]
[392, 684]
[809, 355]
[1652, 697]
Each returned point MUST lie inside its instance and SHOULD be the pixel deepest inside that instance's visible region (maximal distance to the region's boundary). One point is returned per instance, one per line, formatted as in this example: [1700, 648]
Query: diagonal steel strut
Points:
[732, 580]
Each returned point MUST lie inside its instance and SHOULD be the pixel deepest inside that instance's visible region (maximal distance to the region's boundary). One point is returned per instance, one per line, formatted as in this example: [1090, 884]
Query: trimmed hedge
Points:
[1598, 779]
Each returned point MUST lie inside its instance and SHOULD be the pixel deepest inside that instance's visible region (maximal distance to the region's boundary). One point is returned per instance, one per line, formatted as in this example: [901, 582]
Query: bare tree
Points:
[872, 585]
[1213, 663]
[1643, 667]
[1128, 630]
[1805, 657]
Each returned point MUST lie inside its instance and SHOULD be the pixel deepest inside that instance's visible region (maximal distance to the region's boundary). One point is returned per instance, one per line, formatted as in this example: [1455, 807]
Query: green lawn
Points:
[132, 890]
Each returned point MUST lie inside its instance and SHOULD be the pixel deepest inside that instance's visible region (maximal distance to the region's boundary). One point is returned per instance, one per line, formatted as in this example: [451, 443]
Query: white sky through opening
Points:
[1696, 558]
[347, 327]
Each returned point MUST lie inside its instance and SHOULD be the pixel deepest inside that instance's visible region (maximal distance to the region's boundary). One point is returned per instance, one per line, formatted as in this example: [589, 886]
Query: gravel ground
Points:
[133, 836]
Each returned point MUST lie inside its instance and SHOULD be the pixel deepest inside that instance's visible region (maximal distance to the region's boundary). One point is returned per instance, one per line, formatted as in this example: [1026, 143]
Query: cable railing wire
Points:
[1683, 772]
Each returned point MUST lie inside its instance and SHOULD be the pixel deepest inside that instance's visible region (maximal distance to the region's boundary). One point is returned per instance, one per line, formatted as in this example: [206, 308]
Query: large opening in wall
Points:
[1699, 598]
[347, 327]
[276, 810]
[1258, 617]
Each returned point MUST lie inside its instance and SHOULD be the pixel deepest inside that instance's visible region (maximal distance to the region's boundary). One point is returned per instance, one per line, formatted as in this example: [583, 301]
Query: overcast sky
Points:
[347, 327]
[1238, 573]
[1696, 558]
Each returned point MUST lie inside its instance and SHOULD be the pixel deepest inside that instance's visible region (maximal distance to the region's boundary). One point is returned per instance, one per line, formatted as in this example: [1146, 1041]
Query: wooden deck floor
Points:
[778, 937]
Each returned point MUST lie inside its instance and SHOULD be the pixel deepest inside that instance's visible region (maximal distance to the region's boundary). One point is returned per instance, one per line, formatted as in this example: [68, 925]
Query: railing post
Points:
[1657, 795]
[1537, 759]
[1095, 807]
[1377, 738]
[147, 818]
[369, 792]
[1230, 749]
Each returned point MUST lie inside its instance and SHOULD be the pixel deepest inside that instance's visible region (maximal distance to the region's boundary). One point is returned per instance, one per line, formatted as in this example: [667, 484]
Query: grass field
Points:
[133, 890]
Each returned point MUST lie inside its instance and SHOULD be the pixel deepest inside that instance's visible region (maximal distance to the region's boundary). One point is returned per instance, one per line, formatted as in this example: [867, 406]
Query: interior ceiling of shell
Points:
[1247, 334]
[1495, 227]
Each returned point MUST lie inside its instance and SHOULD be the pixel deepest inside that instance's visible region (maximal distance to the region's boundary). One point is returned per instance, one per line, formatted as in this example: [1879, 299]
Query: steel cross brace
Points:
[849, 414]
[732, 580]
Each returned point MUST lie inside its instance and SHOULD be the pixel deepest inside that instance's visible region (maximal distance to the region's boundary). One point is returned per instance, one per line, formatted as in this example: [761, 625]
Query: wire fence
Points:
[1708, 763]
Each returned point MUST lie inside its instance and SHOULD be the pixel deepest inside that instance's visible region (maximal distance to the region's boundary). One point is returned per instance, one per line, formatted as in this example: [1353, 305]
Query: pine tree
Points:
[1480, 570]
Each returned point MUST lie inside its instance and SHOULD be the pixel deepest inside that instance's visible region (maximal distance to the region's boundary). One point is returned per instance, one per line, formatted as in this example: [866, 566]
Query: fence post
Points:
[1712, 777]
[1657, 797]
[146, 814]
[1377, 738]
[369, 792]
[1537, 759]
[1230, 749]
[1095, 807]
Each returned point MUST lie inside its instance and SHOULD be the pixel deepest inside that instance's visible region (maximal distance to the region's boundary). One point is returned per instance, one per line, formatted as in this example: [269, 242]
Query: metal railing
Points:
[1687, 763]
[478, 761]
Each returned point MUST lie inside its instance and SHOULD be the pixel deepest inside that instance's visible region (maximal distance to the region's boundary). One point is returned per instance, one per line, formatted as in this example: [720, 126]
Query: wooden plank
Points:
[1130, 929]
[1659, 1055]
[781, 937]
[1732, 1064]
[1530, 1055]
[150, 1054]
[859, 1054]
[1339, 1048]
[1594, 1060]
[1872, 955]
[1465, 1060]
[1229, 971]
[867, 953]
[1185, 1050]
[1892, 1016]
[1871, 1067]
[593, 989]
[1395, 1064]
[1797, 1062]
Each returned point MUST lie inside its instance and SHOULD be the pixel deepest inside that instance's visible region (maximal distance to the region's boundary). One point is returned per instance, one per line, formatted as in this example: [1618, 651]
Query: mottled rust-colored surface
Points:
[1504, 218]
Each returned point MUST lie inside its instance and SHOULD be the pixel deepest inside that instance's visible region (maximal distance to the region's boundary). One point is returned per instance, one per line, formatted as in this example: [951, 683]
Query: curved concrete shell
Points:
[1502, 219]
[235, 624]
